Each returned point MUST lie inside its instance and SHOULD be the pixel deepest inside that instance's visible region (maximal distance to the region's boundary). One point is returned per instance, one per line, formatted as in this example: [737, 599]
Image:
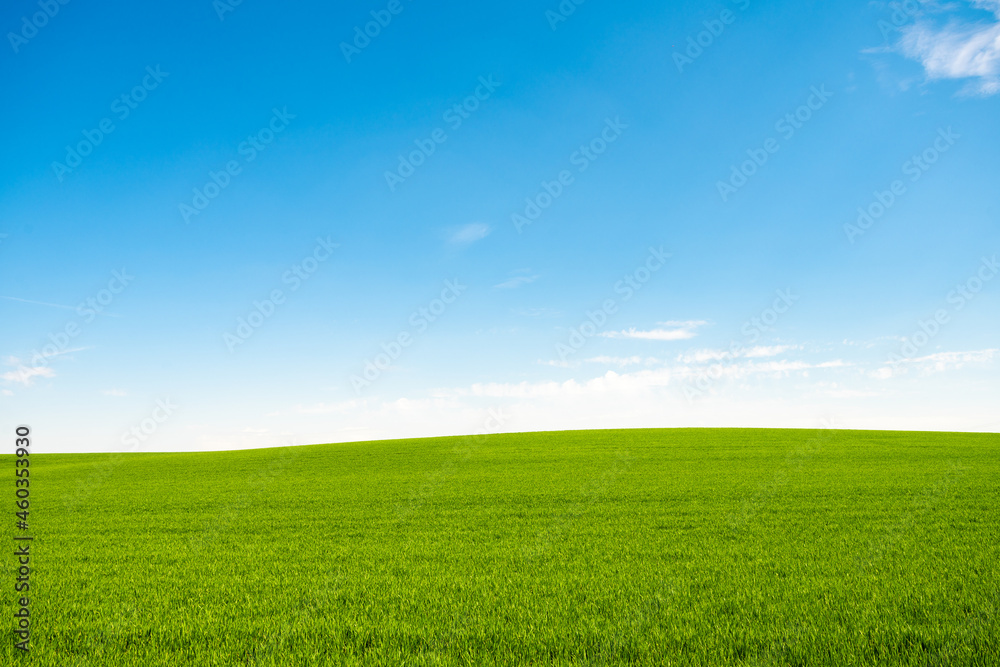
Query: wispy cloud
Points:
[25, 375]
[558, 363]
[102, 313]
[625, 383]
[622, 362]
[524, 277]
[15, 361]
[702, 356]
[939, 362]
[769, 350]
[757, 352]
[669, 331]
[38, 303]
[342, 407]
[958, 50]
[764, 391]
[70, 350]
[538, 312]
[470, 233]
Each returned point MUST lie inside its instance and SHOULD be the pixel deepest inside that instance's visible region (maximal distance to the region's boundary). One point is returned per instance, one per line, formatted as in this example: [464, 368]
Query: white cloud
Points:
[703, 356]
[470, 233]
[759, 392]
[68, 351]
[658, 377]
[557, 363]
[946, 361]
[622, 362]
[850, 393]
[38, 303]
[671, 331]
[343, 407]
[610, 382]
[938, 362]
[958, 50]
[26, 374]
[768, 350]
[868, 344]
[771, 368]
[538, 312]
[883, 373]
[764, 392]
[757, 352]
[517, 281]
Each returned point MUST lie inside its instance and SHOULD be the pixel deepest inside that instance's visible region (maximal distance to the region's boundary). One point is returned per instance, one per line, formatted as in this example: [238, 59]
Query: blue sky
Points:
[231, 226]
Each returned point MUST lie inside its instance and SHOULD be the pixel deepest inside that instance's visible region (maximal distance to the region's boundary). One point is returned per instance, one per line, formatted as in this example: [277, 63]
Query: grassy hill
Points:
[645, 547]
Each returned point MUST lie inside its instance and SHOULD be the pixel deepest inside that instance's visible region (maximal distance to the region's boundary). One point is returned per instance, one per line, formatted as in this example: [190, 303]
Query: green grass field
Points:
[638, 547]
